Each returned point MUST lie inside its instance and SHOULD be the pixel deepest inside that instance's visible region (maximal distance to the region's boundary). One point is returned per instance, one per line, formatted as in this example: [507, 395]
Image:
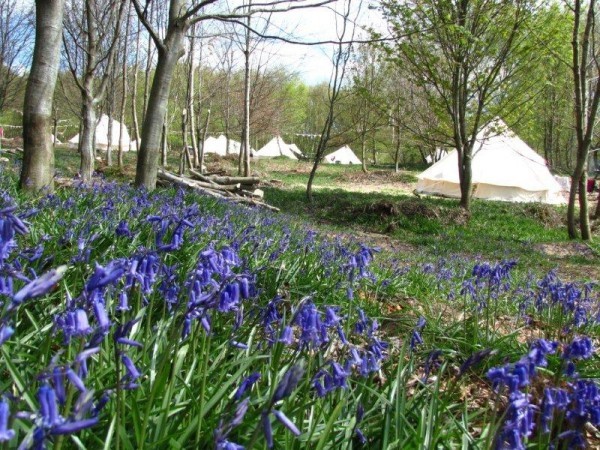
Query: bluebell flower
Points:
[71, 427]
[75, 380]
[245, 385]
[6, 434]
[6, 332]
[288, 382]
[40, 286]
[104, 276]
[132, 372]
[580, 348]
[267, 428]
[123, 229]
[475, 359]
[286, 422]
[416, 338]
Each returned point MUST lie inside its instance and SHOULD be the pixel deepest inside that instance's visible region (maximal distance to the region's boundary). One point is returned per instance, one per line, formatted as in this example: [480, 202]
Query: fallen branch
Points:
[186, 183]
[225, 180]
[232, 192]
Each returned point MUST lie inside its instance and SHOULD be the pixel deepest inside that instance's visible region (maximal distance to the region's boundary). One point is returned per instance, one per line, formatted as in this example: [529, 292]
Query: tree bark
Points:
[190, 97]
[37, 171]
[147, 163]
[87, 139]
[244, 159]
[202, 140]
[124, 87]
[134, 111]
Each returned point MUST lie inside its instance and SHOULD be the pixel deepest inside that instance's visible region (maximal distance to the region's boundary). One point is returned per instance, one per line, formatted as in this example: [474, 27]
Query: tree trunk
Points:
[124, 95]
[87, 139]
[190, 98]
[37, 171]
[203, 140]
[147, 163]
[398, 148]
[465, 175]
[149, 55]
[163, 145]
[363, 149]
[244, 160]
[584, 218]
[134, 112]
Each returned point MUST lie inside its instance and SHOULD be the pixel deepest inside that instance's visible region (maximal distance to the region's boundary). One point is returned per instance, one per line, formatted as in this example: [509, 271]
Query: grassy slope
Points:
[496, 230]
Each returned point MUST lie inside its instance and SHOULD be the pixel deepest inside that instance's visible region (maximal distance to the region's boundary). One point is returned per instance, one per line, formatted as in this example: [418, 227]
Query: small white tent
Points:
[219, 145]
[436, 156]
[343, 155]
[102, 135]
[276, 147]
[503, 166]
[294, 148]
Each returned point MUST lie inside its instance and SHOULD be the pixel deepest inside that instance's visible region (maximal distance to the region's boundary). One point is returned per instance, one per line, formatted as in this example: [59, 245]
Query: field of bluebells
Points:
[167, 320]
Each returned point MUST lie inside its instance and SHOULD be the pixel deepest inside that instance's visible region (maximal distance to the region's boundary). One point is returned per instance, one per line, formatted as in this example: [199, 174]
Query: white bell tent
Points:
[503, 167]
[343, 155]
[276, 147]
[218, 146]
[102, 135]
[294, 148]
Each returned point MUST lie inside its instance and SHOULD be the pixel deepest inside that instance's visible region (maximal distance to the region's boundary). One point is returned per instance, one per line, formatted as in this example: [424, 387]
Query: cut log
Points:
[225, 180]
[230, 192]
[186, 183]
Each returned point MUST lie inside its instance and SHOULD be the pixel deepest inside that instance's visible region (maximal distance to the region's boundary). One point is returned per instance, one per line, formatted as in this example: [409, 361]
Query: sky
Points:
[312, 63]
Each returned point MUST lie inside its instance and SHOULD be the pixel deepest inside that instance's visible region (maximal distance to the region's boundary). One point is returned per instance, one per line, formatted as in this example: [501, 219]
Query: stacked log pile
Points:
[236, 189]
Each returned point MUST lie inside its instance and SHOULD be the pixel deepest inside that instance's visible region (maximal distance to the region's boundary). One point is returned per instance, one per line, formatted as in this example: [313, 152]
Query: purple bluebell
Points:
[121, 335]
[288, 382]
[75, 380]
[267, 428]
[100, 313]
[72, 427]
[6, 434]
[132, 372]
[6, 332]
[104, 276]
[48, 407]
[475, 359]
[123, 229]
[228, 445]
[246, 384]
[58, 380]
[287, 422]
[580, 348]
[40, 286]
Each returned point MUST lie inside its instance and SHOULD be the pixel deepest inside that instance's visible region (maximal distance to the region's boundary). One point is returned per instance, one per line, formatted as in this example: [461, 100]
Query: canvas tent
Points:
[343, 155]
[218, 146]
[276, 147]
[294, 148]
[436, 156]
[504, 168]
[102, 135]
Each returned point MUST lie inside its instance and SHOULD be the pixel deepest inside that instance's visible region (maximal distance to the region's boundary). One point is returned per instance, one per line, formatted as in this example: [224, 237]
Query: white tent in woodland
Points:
[218, 146]
[503, 166]
[294, 148]
[343, 155]
[102, 136]
[276, 147]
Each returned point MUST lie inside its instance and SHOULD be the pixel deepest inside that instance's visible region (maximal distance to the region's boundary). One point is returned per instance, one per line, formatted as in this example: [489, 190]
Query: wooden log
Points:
[214, 191]
[216, 187]
[225, 180]
[250, 201]
[187, 183]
